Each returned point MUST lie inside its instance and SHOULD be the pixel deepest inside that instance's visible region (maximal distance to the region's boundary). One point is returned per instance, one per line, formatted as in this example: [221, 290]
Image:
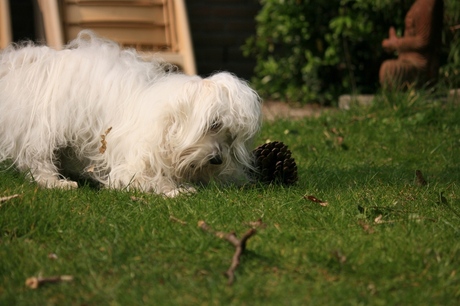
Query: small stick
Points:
[174, 219]
[315, 200]
[239, 244]
[4, 199]
[256, 224]
[35, 282]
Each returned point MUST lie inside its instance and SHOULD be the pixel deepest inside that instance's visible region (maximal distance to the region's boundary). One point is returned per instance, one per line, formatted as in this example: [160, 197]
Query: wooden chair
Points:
[5, 24]
[156, 28]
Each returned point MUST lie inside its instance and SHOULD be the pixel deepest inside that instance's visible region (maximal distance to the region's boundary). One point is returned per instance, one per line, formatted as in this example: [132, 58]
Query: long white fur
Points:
[57, 108]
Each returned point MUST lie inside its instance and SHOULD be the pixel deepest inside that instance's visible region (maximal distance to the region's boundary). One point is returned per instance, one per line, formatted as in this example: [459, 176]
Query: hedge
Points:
[314, 50]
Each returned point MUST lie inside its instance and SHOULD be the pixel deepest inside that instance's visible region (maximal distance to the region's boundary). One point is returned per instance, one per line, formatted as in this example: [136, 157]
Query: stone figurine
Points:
[418, 50]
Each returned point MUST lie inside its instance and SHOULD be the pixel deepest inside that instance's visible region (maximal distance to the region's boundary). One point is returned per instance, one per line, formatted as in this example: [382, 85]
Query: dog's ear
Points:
[241, 115]
[243, 102]
[237, 90]
[187, 110]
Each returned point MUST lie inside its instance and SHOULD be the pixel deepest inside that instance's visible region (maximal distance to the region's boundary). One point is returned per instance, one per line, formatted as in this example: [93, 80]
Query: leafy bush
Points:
[315, 50]
[450, 71]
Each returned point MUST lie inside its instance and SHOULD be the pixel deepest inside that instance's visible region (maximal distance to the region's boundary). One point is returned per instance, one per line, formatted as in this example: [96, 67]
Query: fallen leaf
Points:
[103, 147]
[378, 219]
[138, 199]
[335, 131]
[371, 288]
[341, 258]
[108, 131]
[442, 198]
[340, 140]
[366, 227]
[328, 277]
[316, 200]
[52, 256]
[420, 179]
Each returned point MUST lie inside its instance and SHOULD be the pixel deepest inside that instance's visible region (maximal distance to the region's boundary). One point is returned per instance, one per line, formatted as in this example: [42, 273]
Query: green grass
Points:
[125, 251]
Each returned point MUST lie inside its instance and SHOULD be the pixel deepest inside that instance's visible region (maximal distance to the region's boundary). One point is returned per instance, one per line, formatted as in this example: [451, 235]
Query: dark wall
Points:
[22, 20]
[219, 29]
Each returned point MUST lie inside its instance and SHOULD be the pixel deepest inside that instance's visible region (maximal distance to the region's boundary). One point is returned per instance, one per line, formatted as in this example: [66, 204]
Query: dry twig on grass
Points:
[315, 200]
[35, 282]
[239, 244]
[4, 199]
[174, 219]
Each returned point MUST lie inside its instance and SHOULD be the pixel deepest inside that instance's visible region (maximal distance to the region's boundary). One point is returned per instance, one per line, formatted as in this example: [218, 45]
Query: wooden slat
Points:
[117, 2]
[148, 36]
[133, 23]
[80, 13]
[157, 28]
[5, 24]
[169, 14]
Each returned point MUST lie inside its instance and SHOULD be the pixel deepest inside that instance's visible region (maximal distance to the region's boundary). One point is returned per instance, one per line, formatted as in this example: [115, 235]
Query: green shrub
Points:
[450, 71]
[315, 50]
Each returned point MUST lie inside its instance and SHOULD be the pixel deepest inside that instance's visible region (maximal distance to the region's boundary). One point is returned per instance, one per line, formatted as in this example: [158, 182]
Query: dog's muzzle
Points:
[216, 160]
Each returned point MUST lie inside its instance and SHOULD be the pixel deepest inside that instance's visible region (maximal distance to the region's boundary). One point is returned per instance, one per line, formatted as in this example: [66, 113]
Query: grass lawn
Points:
[383, 238]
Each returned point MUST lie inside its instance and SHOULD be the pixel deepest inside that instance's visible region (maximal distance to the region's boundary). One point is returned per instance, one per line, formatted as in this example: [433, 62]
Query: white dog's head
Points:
[209, 128]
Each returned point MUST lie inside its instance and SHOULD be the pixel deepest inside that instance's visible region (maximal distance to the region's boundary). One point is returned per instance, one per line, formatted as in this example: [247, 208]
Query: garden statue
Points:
[418, 49]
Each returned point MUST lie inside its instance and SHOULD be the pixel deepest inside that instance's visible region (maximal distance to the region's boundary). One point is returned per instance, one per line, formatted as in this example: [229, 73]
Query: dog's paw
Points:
[58, 184]
[185, 190]
[66, 184]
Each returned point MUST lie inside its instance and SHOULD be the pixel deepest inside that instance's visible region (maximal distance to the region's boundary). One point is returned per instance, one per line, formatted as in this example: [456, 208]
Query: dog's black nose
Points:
[216, 160]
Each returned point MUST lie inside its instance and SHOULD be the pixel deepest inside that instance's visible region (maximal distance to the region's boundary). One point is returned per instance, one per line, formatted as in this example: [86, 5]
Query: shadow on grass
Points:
[361, 176]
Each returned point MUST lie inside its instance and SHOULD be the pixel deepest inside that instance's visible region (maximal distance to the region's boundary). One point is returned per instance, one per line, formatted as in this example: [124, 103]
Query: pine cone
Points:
[274, 163]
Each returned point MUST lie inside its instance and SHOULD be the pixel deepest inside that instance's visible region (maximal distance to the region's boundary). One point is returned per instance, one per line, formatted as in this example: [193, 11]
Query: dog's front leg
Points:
[46, 175]
[182, 190]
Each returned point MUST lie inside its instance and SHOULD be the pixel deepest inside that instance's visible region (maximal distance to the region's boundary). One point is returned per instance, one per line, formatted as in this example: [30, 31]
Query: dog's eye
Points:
[215, 126]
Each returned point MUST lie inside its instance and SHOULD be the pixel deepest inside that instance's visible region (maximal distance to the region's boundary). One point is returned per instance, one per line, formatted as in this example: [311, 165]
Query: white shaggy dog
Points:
[97, 111]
